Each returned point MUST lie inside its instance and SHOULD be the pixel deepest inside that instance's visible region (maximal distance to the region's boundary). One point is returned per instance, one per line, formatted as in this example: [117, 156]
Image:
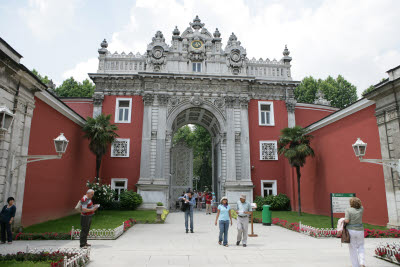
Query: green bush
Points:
[130, 200]
[160, 204]
[278, 202]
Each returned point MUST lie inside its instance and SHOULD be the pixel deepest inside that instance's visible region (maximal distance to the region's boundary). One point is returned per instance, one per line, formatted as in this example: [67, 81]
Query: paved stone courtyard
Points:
[168, 245]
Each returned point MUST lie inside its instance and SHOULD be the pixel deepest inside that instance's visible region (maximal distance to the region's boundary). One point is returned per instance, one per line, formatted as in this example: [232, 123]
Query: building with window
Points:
[243, 103]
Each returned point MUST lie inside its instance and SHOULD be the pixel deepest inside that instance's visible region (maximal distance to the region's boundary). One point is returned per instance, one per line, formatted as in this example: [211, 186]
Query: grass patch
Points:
[317, 221]
[105, 219]
[23, 264]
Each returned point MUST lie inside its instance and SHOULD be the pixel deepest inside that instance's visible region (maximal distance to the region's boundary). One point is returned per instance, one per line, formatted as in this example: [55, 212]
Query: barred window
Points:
[268, 150]
[120, 148]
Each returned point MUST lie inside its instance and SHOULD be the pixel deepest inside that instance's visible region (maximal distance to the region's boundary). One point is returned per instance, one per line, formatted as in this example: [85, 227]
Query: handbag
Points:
[345, 234]
[78, 206]
[185, 206]
[3, 218]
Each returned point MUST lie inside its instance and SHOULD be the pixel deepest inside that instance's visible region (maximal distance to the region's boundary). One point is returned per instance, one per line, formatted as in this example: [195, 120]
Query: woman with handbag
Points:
[353, 220]
[7, 215]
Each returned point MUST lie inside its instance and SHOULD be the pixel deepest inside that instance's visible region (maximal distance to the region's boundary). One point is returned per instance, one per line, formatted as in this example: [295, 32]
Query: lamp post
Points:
[196, 179]
[360, 148]
[6, 119]
[60, 145]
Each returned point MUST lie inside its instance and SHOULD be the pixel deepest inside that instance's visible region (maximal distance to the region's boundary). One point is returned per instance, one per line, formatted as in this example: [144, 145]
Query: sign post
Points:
[339, 203]
[253, 206]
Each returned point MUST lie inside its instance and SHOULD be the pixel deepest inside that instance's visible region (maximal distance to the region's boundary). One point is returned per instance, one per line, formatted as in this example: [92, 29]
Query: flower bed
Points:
[65, 257]
[388, 252]
[75, 233]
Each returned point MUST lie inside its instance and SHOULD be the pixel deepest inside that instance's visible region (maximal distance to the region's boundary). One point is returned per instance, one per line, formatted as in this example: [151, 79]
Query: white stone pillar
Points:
[230, 139]
[146, 137]
[290, 106]
[97, 104]
[161, 135]
[244, 139]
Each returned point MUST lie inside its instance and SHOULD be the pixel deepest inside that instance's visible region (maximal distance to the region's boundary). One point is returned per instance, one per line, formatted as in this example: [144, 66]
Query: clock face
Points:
[197, 44]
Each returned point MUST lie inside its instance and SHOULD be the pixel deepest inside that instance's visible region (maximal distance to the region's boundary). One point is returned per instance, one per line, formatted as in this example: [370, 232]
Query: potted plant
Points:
[159, 208]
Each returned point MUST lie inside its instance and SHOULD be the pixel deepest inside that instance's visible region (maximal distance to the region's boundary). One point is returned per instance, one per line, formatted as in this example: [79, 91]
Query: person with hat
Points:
[243, 211]
[224, 215]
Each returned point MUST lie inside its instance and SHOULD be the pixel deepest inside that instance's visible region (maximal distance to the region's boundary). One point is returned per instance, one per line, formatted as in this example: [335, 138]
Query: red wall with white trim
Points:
[83, 107]
[53, 187]
[335, 169]
[124, 167]
[266, 169]
[306, 116]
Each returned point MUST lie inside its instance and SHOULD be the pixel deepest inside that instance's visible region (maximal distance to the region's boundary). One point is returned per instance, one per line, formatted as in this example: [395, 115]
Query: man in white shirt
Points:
[243, 210]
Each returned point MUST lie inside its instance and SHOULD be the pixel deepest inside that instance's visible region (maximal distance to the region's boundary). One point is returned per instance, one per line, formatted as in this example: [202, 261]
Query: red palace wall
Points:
[53, 187]
[335, 169]
[266, 169]
[83, 107]
[307, 115]
[125, 167]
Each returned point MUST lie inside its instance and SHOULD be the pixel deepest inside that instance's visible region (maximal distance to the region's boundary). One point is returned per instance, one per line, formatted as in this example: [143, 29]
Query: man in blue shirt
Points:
[243, 211]
[191, 202]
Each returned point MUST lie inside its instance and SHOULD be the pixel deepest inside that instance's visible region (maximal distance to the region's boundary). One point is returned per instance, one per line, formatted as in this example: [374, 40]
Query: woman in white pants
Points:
[353, 218]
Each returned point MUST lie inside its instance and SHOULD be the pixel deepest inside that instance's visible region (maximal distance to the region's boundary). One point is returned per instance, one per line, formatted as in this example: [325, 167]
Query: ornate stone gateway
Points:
[194, 80]
[181, 171]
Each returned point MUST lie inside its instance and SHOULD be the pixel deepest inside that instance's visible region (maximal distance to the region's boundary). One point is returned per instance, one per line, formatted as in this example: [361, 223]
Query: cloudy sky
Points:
[359, 38]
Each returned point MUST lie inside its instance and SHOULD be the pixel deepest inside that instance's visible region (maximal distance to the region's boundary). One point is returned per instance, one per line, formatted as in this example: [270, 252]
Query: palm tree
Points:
[294, 144]
[101, 133]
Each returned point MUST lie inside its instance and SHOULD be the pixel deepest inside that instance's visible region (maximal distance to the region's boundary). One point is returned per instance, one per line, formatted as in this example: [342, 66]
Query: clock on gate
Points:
[197, 44]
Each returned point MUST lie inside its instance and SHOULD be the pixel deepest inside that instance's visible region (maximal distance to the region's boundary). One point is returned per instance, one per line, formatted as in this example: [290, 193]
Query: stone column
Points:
[20, 178]
[388, 126]
[146, 137]
[244, 139]
[161, 135]
[230, 139]
[97, 104]
[290, 106]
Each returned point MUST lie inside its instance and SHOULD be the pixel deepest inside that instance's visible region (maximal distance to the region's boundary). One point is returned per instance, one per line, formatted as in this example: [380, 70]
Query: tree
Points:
[366, 91]
[307, 90]
[71, 88]
[339, 91]
[101, 133]
[44, 79]
[294, 144]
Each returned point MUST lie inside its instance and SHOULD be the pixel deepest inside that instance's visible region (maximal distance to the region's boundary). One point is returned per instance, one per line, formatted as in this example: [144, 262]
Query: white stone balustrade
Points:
[100, 233]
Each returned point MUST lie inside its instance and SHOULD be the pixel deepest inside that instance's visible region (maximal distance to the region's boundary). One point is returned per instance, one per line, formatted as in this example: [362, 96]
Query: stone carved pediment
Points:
[235, 55]
[157, 52]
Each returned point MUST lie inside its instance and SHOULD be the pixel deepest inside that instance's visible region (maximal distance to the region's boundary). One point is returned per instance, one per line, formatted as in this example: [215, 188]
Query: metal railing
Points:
[76, 257]
[317, 232]
[100, 233]
[389, 252]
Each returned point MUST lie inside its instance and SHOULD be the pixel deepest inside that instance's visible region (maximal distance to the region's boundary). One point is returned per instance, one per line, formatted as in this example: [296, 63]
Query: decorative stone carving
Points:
[219, 102]
[235, 55]
[174, 101]
[237, 137]
[157, 52]
[320, 99]
[197, 101]
[244, 102]
[98, 99]
[148, 99]
[291, 105]
[230, 101]
[163, 99]
[153, 134]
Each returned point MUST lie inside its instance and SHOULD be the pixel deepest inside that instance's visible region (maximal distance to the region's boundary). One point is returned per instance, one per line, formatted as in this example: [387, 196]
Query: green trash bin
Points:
[266, 215]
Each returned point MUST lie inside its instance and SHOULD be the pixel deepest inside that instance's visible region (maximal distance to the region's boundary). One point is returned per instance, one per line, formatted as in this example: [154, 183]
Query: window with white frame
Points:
[266, 113]
[120, 148]
[196, 66]
[123, 109]
[119, 185]
[268, 150]
[268, 187]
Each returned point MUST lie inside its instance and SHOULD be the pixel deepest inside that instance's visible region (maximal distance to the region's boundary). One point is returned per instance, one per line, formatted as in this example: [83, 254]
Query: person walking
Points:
[353, 219]
[224, 215]
[243, 211]
[88, 210]
[208, 203]
[7, 215]
[190, 202]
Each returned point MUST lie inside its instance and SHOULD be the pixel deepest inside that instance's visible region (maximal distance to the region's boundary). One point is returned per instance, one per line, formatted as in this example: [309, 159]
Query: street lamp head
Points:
[6, 119]
[359, 148]
[61, 144]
